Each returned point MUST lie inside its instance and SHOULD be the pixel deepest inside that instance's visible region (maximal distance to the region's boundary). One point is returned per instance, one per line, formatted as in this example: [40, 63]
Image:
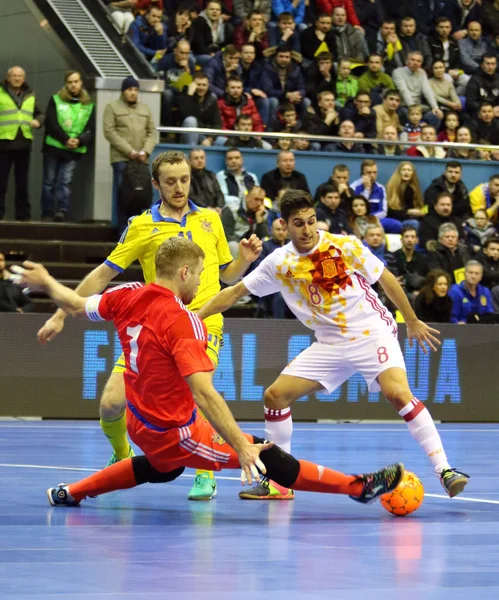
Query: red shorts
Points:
[197, 446]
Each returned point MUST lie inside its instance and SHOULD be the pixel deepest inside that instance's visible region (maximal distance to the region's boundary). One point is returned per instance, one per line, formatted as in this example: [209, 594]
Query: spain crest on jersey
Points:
[329, 268]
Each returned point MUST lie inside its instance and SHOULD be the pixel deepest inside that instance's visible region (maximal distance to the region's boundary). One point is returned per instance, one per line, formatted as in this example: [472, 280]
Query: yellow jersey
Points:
[145, 233]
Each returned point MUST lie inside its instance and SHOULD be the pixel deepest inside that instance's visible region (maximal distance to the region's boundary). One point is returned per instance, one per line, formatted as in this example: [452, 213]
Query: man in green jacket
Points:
[19, 115]
[69, 129]
[374, 80]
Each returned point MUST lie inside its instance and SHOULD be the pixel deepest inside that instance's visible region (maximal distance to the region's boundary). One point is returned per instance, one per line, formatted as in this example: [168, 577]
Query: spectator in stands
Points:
[411, 131]
[303, 143]
[450, 182]
[362, 116]
[235, 102]
[252, 31]
[205, 189]
[373, 191]
[222, 66]
[282, 80]
[386, 113]
[234, 180]
[178, 67]
[428, 134]
[198, 108]
[470, 299]
[286, 33]
[19, 115]
[286, 119]
[486, 195]
[69, 130]
[284, 176]
[374, 239]
[243, 217]
[433, 303]
[461, 13]
[491, 18]
[405, 200]
[413, 41]
[472, 48]
[443, 89]
[12, 298]
[359, 217]
[211, 32]
[445, 49]
[375, 81]
[347, 85]
[464, 136]
[328, 6]
[242, 8]
[485, 127]
[349, 41]
[429, 228]
[320, 77]
[412, 83]
[340, 177]
[478, 229]
[148, 34]
[318, 38]
[251, 74]
[451, 123]
[449, 254]
[488, 256]
[179, 28]
[391, 149]
[328, 210]
[121, 13]
[484, 86]
[130, 130]
[245, 123]
[370, 15]
[388, 46]
[347, 130]
[325, 122]
[410, 265]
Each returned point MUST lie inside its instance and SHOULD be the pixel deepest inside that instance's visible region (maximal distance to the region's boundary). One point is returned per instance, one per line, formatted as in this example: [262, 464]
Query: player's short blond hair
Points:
[173, 254]
[171, 157]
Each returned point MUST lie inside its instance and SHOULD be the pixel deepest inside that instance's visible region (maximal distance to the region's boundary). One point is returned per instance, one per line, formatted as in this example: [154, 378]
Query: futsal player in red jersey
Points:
[167, 378]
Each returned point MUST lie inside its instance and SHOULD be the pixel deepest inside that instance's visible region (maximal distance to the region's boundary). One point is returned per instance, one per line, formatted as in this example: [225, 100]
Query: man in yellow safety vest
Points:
[69, 129]
[19, 115]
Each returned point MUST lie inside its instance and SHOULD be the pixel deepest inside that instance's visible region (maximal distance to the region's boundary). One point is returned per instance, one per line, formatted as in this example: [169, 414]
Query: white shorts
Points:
[331, 365]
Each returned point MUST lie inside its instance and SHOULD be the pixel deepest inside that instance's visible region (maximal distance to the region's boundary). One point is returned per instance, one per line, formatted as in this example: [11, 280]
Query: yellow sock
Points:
[115, 431]
[201, 471]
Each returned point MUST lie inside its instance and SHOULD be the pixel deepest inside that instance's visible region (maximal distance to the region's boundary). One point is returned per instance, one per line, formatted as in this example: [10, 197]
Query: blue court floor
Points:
[151, 542]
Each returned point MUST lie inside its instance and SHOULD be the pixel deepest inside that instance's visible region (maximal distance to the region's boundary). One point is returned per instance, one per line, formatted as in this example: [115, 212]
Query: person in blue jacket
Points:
[148, 34]
[470, 297]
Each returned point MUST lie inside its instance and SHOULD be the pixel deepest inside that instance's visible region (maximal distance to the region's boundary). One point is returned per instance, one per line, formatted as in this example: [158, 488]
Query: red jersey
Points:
[163, 343]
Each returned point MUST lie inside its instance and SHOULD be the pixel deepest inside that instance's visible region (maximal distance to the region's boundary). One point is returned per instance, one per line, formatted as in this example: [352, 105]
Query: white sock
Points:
[423, 430]
[279, 427]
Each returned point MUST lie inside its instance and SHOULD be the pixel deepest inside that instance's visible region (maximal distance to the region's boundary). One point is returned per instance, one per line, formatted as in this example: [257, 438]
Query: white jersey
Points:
[328, 289]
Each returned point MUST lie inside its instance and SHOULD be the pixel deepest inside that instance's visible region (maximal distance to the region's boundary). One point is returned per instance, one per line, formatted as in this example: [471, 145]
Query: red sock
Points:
[119, 476]
[316, 478]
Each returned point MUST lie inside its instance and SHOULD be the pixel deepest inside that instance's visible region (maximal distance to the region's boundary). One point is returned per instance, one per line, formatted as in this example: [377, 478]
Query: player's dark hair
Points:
[170, 157]
[294, 200]
[173, 254]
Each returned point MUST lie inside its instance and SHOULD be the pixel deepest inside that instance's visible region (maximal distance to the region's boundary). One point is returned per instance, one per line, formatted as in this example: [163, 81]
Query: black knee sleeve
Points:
[145, 473]
[281, 466]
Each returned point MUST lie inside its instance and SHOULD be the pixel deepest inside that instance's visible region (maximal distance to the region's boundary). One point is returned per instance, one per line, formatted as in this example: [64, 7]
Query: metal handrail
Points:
[318, 138]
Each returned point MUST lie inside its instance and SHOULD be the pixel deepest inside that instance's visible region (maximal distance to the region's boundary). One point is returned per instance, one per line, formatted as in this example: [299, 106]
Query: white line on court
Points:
[224, 477]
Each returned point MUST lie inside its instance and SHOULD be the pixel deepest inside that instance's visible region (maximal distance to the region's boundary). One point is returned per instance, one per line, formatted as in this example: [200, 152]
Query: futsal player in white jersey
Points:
[326, 280]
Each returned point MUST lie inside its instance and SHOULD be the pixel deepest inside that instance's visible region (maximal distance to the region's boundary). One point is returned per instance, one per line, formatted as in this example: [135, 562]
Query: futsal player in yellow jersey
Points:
[175, 215]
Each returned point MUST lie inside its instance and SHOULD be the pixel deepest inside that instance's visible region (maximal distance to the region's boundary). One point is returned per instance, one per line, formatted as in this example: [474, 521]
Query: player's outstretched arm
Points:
[249, 250]
[416, 329]
[93, 283]
[218, 414]
[36, 277]
[223, 300]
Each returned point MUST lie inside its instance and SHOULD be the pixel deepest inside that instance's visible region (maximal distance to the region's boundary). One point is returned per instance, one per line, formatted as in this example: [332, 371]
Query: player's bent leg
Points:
[279, 428]
[122, 475]
[395, 387]
[204, 487]
[306, 476]
[113, 417]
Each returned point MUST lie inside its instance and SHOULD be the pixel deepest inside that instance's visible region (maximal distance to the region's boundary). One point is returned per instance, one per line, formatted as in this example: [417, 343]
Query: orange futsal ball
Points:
[406, 497]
